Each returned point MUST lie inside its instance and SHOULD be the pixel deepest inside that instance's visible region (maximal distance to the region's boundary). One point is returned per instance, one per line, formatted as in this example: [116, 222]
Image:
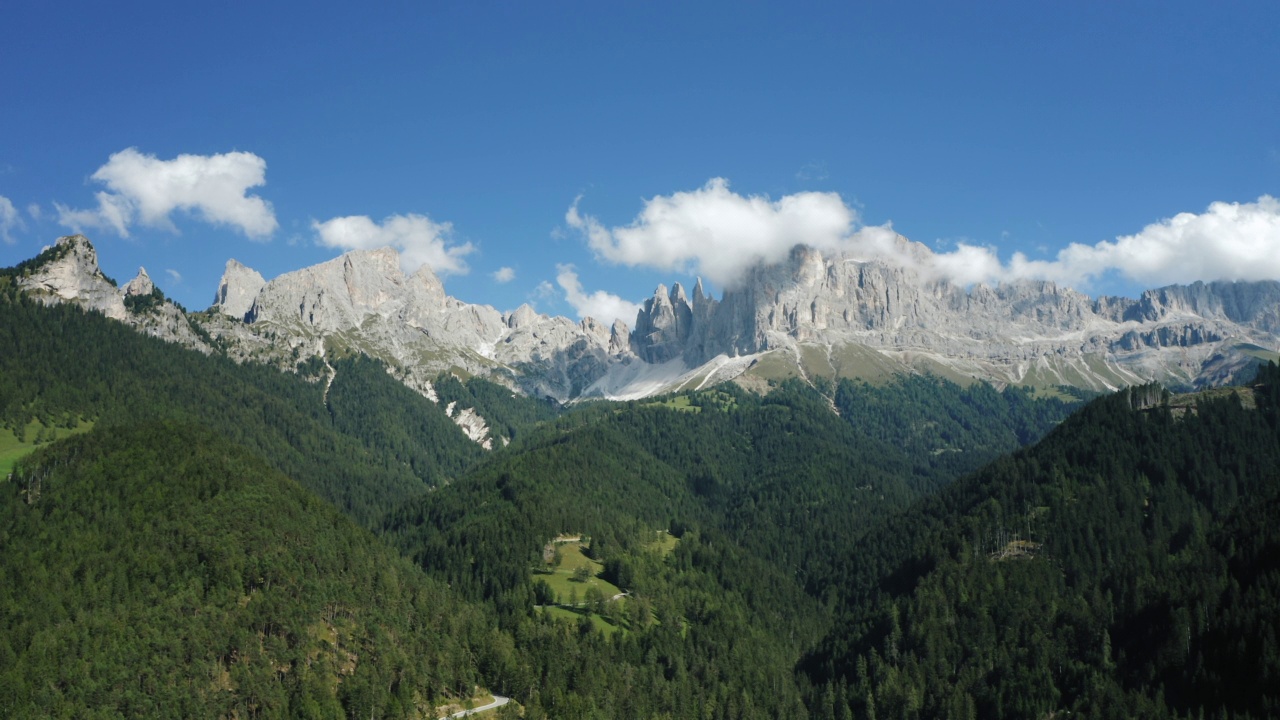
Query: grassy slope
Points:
[561, 578]
[12, 449]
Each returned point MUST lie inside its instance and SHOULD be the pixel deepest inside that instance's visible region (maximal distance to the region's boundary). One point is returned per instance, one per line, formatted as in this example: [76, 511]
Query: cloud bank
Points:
[10, 220]
[420, 240]
[604, 307]
[720, 235]
[142, 188]
[1229, 241]
[717, 233]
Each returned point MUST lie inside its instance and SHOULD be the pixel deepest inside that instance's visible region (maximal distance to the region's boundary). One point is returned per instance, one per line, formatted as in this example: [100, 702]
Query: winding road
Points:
[498, 701]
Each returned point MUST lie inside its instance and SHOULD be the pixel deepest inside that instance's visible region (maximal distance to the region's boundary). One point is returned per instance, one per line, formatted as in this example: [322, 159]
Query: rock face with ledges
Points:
[364, 301]
[814, 313]
[1017, 332]
[140, 285]
[237, 290]
[72, 276]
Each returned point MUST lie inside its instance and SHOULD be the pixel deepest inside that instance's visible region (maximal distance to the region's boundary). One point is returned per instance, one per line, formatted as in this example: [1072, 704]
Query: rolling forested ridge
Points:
[184, 536]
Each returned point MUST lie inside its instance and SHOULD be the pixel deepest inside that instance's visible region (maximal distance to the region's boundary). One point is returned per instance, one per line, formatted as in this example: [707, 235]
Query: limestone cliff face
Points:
[71, 275]
[237, 290]
[825, 314]
[663, 325]
[1029, 331]
[140, 286]
[364, 301]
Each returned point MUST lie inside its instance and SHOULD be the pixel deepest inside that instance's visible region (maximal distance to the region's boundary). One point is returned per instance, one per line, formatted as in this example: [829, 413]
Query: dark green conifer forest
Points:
[231, 541]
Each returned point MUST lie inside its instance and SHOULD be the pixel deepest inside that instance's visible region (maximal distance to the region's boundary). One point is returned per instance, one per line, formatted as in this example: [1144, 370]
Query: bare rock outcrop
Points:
[1027, 331]
[815, 312]
[68, 272]
[237, 290]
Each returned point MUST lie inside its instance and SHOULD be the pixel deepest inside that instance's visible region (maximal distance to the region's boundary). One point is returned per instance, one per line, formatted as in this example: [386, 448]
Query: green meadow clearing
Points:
[568, 590]
[12, 449]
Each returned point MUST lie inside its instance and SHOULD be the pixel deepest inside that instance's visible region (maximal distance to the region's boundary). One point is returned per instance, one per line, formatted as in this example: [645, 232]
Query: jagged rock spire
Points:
[237, 290]
[140, 284]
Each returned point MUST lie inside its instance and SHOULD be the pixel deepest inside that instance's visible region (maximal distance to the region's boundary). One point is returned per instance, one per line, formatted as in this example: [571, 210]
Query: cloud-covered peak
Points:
[717, 233]
[420, 240]
[143, 188]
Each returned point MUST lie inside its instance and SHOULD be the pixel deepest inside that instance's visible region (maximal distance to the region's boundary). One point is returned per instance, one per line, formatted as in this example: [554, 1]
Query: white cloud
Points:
[604, 307]
[1229, 241]
[175, 277]
[10, 220]
[720, 235]
[543, 291]
[504, 275]
[419, 239]
[143, 188]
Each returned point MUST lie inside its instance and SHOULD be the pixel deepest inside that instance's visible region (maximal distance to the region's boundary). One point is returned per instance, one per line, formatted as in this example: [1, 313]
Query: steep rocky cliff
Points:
[813, 315]
[824, 314]
[363, 301]
[68, 272]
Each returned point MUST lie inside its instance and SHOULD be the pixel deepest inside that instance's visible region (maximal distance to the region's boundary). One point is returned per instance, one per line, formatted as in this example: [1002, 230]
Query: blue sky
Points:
[685, 135]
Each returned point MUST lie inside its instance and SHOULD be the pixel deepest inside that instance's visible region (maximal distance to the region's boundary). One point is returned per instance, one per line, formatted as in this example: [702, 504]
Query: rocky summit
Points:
[814, 315]
[833, 315]
[68, 272]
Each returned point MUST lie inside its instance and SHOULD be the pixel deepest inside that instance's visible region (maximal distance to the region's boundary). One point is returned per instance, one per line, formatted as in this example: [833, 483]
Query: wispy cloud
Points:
[720, 235]
[504, 275]
[143, 188]
[175, 277]
[604, 307]
[10, 220]
[812, 171]
[420, 240]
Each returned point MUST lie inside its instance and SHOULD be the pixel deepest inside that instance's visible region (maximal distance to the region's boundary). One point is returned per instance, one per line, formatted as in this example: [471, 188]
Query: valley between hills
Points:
[839, 491]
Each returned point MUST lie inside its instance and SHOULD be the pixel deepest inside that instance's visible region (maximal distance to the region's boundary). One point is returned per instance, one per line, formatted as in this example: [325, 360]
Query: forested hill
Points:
[787, 475]
[1126, 566]
[809, 552]
[762, 493]
[365, 443]
[161, 571]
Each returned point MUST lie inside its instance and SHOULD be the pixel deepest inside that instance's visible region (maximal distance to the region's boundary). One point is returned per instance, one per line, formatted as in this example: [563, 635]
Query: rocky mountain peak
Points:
[523, 316]
[619, 338]
[699, 295]
[1255, 303]
[595, 329]
[237, 290]
[663, 325]
[140, 284]
[71, 274]
[813, 312]
[427, 288]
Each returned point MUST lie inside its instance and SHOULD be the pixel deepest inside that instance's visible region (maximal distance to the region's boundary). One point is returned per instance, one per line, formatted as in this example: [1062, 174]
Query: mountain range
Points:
[814, 315]
[825, 549]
